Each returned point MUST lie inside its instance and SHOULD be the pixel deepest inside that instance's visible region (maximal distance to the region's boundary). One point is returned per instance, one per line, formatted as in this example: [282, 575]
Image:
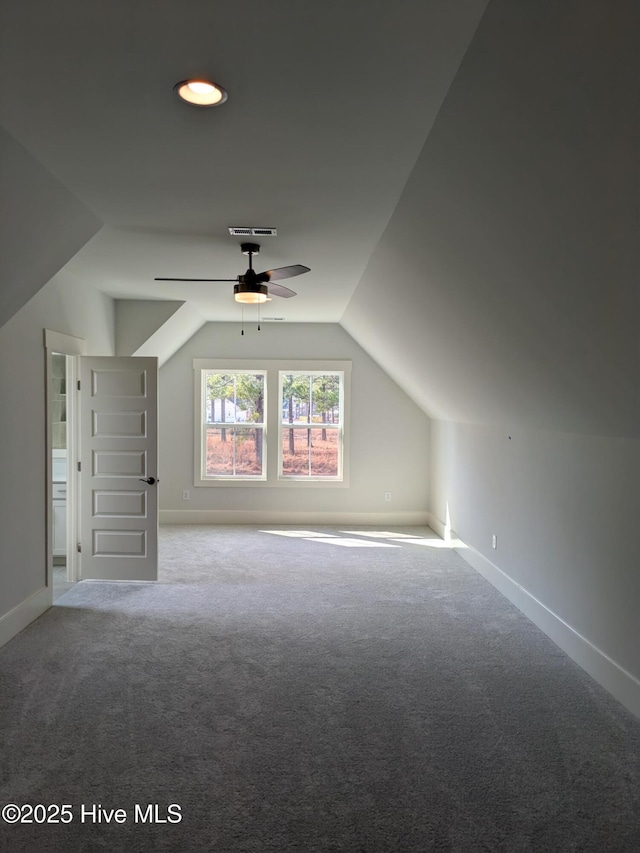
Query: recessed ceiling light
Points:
[201, 93]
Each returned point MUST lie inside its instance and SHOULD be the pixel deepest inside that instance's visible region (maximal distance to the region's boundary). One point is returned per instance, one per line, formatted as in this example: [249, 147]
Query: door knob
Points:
[150, 480]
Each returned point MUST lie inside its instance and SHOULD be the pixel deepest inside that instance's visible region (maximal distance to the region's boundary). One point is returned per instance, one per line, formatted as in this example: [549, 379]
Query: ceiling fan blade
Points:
[280, 290]
[195, 279]
[282, 272]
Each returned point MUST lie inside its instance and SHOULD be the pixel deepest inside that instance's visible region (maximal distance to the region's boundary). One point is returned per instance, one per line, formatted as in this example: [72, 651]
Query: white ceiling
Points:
[329, 107]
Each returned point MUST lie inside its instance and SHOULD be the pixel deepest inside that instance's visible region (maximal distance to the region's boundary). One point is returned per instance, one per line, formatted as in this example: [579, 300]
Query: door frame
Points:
[57, 342]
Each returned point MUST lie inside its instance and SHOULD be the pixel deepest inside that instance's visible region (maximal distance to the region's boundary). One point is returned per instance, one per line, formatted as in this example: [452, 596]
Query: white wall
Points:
[515, 309]
[564, 509]
[382, 458]
[64, 306]
[43, 225]
[509, 270]
[154, 327]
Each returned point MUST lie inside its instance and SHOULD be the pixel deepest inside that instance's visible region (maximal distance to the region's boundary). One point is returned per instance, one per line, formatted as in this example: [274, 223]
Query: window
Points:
[233, 433]
[311, 425]
[271, 423]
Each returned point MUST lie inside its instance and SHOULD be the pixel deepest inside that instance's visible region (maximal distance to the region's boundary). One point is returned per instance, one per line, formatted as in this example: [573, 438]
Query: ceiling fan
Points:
[253, 287]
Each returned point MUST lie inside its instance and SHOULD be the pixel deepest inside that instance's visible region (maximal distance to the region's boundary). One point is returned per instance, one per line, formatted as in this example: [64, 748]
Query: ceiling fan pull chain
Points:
[242, 323]
[258, 317]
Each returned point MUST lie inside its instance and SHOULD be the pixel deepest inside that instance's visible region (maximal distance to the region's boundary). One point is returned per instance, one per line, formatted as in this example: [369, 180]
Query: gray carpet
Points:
[295, 695]
[60, 582]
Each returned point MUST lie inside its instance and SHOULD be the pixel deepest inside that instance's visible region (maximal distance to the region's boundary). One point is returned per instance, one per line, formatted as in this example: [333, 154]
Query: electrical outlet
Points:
[387, 496]
[186, 495]
[494, 541]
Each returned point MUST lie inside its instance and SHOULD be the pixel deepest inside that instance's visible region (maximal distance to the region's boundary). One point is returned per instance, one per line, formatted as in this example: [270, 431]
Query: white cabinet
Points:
[59, 495]
[59, 519]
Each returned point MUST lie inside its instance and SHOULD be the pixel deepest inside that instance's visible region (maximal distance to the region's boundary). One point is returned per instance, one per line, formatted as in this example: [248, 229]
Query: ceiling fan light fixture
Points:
[201, 93]
[251, 294]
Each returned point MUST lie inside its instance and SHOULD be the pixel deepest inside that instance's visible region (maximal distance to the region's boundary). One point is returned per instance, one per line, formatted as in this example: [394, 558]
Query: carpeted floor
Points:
[345, 692]
[60, 582]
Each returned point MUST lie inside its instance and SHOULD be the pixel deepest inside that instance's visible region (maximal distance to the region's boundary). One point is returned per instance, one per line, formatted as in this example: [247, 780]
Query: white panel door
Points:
[118, 475]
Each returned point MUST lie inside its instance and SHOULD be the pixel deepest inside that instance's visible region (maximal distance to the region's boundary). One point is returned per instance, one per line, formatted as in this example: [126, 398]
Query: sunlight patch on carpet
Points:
[350, 543]
[379, 534]
[297, 534]
[432, 543]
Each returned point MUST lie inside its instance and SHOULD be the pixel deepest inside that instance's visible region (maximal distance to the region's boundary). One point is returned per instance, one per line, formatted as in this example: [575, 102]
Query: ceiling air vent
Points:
[253, 232]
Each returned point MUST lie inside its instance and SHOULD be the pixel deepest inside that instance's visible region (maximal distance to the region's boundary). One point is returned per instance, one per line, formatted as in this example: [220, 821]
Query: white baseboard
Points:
[15, 620]
[624, 686]
[438, 526]
[190, 516]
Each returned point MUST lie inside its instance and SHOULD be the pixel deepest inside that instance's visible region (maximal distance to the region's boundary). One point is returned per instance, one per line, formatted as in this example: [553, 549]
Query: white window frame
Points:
[272, 437]
[201, 427]
[285, 426]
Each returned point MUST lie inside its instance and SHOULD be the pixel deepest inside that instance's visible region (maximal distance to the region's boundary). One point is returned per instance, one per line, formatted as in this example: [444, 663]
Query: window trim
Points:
[283, 425]
[251, 478]
[272, 368]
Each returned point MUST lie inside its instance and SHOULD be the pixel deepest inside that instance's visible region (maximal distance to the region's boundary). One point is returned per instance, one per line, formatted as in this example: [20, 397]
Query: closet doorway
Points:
[62, 441]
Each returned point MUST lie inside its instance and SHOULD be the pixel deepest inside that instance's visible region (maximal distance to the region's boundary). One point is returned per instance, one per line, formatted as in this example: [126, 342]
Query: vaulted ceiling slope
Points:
[329, 106]
[506, 287]
[42, 226]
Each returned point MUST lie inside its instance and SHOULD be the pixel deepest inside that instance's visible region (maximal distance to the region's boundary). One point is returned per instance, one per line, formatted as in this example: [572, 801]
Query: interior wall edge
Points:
[24, 613]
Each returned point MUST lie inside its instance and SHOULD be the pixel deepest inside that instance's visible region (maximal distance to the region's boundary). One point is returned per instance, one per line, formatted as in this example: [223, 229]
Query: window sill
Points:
[288, 483]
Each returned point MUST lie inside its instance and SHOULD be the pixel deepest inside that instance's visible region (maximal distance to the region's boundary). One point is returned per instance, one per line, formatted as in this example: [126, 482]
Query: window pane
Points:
[219, 398]
[311, 398]
[310, 452]
[326, 399]
[250, 397]
[324, 453]
[295, 453]
[296, 395]
[234, 451]
[234, 397]
[219, 449]
[248, 451]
